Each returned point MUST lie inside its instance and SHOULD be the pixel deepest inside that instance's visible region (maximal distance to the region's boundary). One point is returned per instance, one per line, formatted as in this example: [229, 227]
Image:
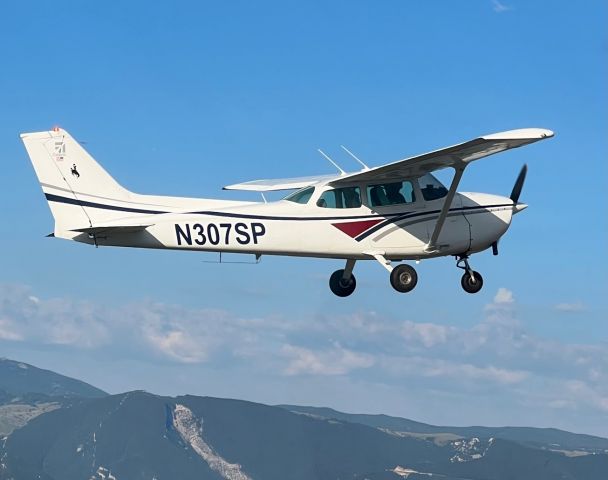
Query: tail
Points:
[74, 184]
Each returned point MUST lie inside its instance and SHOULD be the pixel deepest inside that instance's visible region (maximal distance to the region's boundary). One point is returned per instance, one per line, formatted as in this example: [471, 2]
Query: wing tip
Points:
[521, 134]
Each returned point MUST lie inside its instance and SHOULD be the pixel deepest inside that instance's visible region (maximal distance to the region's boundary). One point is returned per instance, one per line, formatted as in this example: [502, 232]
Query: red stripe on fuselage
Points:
[352, 229]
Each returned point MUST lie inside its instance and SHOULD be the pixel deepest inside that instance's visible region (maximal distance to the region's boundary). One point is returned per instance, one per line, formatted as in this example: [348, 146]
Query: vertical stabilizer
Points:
[72, 180]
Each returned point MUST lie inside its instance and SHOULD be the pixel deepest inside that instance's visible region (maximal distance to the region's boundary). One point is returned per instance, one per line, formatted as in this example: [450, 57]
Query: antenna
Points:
[342, 172]
[365, 167]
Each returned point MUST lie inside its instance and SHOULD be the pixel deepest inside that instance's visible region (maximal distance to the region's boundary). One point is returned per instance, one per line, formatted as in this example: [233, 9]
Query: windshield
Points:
[431, 188]
[301, 196]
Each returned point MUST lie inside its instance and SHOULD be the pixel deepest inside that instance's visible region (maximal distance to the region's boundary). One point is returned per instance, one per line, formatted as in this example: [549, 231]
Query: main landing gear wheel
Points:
[404, 278]
[471, 283]
[341, 287]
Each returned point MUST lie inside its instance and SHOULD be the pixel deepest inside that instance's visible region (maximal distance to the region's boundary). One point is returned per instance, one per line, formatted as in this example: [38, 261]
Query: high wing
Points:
[457, 156]
[280, 184]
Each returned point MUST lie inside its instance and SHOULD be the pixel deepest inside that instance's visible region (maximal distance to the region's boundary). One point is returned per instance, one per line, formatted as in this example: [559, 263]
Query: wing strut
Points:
[458, 171]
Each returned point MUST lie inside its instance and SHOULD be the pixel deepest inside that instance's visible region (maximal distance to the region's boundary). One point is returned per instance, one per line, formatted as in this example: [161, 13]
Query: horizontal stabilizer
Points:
[112, 228]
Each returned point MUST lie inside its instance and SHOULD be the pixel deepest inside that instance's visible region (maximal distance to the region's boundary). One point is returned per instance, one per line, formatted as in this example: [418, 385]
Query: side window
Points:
[394, 193]
[348, 197]
[301, 196]
[431, 188]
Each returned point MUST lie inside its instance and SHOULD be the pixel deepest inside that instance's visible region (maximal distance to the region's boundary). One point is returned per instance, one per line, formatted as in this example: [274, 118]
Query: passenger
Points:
[352, 198]
[393, 194]
[378, 197]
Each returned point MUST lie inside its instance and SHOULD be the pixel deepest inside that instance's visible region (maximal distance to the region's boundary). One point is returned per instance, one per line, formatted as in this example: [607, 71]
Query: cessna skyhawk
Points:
[391, 213]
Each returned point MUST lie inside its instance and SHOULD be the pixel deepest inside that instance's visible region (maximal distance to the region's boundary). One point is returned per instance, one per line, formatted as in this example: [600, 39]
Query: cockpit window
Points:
[347, 197]
[394, 193]
[301, 196]
[431, 188]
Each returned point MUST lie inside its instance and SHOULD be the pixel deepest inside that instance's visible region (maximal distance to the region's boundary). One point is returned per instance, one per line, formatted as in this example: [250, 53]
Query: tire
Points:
[337, 286]
[404, 278]
[468, 285]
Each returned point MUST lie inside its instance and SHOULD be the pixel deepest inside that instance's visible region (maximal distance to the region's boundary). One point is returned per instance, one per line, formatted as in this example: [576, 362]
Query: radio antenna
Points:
[365, 167]
[342, 172]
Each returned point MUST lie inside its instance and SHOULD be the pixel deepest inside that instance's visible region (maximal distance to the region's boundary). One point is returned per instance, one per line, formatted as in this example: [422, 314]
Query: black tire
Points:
[469, 285]
[404, 278]
[338, 287]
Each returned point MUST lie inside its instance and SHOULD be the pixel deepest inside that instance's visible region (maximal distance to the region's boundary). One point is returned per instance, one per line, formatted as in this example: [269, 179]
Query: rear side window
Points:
[301, 196]
[348, 197]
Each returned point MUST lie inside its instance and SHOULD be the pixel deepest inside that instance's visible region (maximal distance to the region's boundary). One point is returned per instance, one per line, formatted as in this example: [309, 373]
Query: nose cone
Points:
[519, 207]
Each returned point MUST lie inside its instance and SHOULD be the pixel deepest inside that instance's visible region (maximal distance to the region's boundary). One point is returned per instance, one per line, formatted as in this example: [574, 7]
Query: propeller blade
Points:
[519, 184]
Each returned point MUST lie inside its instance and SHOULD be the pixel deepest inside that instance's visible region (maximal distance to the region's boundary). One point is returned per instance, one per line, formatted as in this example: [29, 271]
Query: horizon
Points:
[279, 405]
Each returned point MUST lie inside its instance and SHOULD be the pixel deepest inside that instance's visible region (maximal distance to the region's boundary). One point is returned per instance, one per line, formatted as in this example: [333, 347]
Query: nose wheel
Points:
[471, 281]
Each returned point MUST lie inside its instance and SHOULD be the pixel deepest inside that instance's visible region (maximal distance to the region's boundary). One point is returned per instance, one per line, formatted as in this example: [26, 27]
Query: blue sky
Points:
[183, 98]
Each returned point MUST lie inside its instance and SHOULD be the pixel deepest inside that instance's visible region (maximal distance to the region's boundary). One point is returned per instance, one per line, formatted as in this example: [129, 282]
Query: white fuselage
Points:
[398, 232]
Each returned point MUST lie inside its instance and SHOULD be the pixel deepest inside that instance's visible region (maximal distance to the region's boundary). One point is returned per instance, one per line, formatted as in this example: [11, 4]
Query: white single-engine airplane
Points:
[395, 212]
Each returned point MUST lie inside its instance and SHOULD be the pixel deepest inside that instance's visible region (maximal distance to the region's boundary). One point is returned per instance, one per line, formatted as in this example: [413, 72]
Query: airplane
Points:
[392, 213]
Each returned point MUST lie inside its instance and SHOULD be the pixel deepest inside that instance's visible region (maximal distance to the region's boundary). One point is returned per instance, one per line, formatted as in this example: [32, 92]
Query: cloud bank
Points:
[497, 356]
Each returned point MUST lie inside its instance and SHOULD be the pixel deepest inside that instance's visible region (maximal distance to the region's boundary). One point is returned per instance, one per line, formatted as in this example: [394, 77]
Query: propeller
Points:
[519, 184]
[515, 193]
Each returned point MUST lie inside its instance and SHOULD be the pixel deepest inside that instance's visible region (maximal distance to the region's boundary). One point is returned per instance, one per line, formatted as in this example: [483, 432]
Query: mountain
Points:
[549, 438]
[139, 435]
[27, 391]
[19, 378]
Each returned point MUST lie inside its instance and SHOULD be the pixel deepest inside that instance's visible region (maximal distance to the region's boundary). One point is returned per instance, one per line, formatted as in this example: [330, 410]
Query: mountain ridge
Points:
[139, 435]
[20, 377]
[531, 436]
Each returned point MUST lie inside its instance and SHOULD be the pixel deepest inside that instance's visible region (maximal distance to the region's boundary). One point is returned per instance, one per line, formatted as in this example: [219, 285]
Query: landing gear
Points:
[471, 281]
[342, 282]
[341, 287]
[404, 278]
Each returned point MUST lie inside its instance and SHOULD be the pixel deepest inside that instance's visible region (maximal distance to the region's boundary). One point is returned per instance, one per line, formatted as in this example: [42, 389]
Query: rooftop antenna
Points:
[365, 167]
[342, 172]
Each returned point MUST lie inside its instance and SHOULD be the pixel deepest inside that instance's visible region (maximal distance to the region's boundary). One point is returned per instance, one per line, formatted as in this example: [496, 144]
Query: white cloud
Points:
[7, 332]
[334, 361]
[177, 345]
[500, 7]
[429, 334]
[503, 296]
[570, 307]
[456, 371]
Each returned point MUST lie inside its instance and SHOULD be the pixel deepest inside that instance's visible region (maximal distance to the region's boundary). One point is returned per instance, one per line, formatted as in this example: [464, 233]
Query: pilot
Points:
[430, 192]
[393, 194]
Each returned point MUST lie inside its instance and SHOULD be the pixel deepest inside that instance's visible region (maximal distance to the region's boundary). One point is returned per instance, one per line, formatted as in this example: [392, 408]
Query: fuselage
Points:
[286, 227]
